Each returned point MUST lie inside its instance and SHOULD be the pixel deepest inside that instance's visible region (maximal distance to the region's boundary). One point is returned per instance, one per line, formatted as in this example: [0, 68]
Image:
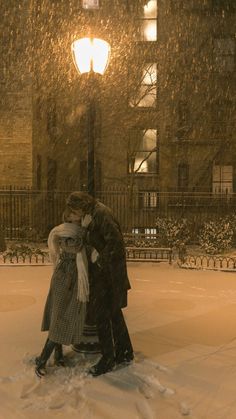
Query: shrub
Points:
[22, 250]
[216, 236]
[173, 232]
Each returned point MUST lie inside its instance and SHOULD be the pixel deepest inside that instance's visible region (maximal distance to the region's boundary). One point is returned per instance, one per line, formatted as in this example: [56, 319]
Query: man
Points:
[109, 281]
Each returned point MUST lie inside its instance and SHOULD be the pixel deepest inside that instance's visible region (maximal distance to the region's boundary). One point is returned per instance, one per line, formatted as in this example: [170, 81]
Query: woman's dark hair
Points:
[81, 200]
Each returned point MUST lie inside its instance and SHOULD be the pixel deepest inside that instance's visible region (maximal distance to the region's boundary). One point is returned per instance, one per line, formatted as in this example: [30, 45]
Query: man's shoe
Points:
[124, 358]
[103, 366]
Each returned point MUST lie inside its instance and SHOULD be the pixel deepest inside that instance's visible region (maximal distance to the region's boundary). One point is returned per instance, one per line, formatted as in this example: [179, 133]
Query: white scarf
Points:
[70, 230]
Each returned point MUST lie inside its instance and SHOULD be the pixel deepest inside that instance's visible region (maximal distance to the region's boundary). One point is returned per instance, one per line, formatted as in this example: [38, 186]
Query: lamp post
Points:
[91, 55]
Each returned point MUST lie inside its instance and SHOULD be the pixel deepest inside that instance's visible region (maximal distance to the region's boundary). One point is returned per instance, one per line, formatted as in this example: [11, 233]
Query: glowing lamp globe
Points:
[90, 55]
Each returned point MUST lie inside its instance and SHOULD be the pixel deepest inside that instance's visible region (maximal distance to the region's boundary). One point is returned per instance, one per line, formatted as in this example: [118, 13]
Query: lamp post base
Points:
[89, 342]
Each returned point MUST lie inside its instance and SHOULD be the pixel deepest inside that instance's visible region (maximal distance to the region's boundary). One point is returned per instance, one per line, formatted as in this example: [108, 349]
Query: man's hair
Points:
[66, 214]
[81, 200]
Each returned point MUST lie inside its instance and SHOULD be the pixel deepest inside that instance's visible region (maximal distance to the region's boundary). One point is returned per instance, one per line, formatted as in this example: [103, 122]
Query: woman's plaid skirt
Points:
[64, 315]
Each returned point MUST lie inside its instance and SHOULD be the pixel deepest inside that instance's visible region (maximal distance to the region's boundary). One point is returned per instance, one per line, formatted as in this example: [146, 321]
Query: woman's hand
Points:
[86, 220]
[94, 255]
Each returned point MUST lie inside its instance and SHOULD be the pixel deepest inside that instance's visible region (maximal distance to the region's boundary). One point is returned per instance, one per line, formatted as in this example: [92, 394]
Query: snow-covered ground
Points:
[183, 327]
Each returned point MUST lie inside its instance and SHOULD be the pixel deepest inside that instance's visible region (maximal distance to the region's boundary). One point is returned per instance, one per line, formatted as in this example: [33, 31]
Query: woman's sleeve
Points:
[54, 247]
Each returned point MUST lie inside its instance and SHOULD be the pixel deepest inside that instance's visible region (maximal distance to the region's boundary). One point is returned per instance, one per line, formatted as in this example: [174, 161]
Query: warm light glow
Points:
[150, 30]
[150, 10]
[140, 166]
[90, 54]
[150, 74]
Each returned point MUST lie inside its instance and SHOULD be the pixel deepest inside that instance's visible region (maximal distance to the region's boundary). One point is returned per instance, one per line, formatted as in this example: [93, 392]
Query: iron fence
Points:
[212, 262]
[30, 214]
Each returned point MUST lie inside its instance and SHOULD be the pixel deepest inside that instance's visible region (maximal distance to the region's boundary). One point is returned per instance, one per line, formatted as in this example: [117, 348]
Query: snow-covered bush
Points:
[22, 250]
[232, 221]
[216, 236]
[173, 232]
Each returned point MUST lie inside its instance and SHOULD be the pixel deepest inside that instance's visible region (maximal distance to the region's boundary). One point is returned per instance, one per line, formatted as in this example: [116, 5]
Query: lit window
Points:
[146, 88]
[148, 22]
[90, 4]
[142, 154]
[150, 230]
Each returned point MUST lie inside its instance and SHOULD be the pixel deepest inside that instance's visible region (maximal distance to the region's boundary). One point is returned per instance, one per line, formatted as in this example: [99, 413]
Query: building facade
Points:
[16, 111]
[165, 107]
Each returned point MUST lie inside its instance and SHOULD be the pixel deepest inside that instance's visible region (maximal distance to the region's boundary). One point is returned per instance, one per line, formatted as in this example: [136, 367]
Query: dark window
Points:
[183, 177]
[38, 171]
[148, 199]
[183, 120]
[221, 118]
[51, 174]
[226, 5]
[224, 55]
[51, 117]
[176, 6]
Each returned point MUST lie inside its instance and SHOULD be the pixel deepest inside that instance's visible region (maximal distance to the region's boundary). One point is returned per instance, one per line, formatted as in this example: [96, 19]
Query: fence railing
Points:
[212, 262]
[30, 214]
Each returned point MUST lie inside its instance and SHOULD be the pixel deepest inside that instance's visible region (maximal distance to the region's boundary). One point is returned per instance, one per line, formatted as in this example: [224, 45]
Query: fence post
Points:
[10, 212]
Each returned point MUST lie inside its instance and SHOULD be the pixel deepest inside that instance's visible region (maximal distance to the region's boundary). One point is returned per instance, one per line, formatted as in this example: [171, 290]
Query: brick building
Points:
[16, 112]
[165, 107]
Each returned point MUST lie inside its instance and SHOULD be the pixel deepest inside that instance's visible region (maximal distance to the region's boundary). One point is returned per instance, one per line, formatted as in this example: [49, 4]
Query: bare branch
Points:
[148, 155]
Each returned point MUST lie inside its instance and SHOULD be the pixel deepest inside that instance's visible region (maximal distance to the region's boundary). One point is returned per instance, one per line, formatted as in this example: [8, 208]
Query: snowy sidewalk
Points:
[182, 325]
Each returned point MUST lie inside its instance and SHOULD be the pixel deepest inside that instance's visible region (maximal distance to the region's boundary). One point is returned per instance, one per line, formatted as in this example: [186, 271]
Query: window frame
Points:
[219, 124]
[222, 182]
[183, 181]
[147, 199]
[134, 151]
[220, 67]
[140, 20]
[144, 71]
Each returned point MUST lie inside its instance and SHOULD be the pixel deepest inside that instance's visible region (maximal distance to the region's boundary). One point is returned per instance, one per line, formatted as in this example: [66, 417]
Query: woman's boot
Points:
[58, 356]
[41, 360]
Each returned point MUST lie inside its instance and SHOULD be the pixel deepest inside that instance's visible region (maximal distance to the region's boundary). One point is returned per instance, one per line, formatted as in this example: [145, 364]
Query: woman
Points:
[65, 308]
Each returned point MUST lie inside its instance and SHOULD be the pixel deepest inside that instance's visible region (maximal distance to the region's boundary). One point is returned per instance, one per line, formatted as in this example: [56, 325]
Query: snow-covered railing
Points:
[24, 260]
[141, 240]
[225, 263]
[149, 254]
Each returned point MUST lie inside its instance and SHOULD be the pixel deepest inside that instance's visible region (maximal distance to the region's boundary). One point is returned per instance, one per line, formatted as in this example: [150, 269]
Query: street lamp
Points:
[91, 55]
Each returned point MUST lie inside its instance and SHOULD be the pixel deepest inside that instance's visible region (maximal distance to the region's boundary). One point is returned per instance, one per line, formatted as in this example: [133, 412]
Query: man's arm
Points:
[112, 236]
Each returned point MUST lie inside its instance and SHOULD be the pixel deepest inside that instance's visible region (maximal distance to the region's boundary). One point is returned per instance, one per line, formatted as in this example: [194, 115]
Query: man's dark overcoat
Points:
[109, 277]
